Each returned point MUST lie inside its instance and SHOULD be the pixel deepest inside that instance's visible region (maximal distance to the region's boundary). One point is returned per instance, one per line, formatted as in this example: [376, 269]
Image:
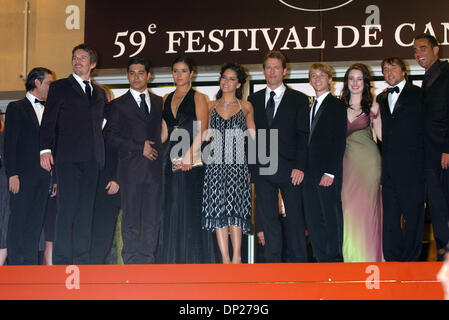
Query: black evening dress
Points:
[181, 238]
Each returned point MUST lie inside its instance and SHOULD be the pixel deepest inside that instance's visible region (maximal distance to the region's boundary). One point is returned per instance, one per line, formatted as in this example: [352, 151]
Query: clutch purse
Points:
[175, 163]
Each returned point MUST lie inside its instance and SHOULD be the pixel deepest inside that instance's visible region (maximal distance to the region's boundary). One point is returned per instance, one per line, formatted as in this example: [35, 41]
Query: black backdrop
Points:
[243, 30]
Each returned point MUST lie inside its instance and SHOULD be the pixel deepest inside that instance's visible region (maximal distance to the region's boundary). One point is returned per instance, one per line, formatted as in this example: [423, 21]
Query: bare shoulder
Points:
[374, 111]
[211, 105]
[201, 97]
[247, 106]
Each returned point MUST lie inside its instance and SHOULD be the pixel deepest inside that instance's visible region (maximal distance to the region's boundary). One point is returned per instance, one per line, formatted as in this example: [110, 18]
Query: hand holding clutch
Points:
[176, 163]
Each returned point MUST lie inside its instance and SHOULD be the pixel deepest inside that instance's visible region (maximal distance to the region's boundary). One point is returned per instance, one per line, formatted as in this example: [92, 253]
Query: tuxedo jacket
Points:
[436, 115]
[290, 121]
[109, 171]
[71, 124]
[127, 131]
[327, 139]
[21, 144]
[402, 135]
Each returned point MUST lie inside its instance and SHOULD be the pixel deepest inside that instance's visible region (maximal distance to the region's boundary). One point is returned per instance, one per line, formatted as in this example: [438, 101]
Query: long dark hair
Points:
[241, 76]
[367, 96]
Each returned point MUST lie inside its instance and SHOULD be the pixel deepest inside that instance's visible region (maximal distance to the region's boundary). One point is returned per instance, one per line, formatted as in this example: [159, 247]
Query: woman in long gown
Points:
[226, 194]
[185, 118]
[361, 193]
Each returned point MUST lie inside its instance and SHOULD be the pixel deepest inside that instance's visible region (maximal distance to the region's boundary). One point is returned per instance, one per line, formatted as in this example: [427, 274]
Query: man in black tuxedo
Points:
[71, 139]
[402, 164]
[323, 174]
[436, 135]
[135, 130]
[283, 111]
[28, 182]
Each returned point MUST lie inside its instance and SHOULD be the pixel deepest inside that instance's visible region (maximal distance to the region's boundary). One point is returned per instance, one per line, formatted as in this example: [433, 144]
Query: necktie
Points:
[313, 110]
[270, 108]
[393, 89]
[39, 101]
[39, 110]
[143, 104]
[391, 101]
[88, 90]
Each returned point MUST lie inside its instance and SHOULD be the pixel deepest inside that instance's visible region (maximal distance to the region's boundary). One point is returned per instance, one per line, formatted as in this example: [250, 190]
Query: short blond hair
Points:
[323, 67]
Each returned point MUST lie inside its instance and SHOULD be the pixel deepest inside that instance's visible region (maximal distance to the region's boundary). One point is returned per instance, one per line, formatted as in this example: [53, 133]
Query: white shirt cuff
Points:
[45, 151]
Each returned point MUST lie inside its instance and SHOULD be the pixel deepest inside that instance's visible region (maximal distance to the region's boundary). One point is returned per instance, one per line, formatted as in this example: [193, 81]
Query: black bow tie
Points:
[39, 101]
[393, 89]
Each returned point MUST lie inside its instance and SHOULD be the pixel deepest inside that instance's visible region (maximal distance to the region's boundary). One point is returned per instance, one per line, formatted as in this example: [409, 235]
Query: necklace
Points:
[225, 104]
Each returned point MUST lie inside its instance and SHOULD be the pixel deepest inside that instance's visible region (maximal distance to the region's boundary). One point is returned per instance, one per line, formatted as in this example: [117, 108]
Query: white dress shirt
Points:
[136, 96]
[38, 108]
[279, 91]
[393, 97]
[319, 100]
[83, 86]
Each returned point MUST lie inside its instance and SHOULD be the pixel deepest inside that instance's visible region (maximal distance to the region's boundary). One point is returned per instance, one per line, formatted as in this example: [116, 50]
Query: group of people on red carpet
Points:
[354, 172]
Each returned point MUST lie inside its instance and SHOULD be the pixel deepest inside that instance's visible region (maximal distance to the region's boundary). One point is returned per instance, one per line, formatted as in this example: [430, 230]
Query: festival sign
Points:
[212, 32]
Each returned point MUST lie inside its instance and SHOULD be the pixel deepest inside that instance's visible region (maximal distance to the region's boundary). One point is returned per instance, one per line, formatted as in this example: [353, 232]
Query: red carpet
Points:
[326, 281]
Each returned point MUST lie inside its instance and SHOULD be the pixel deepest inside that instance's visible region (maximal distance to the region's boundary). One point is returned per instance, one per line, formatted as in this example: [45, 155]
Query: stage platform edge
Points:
[287, 281]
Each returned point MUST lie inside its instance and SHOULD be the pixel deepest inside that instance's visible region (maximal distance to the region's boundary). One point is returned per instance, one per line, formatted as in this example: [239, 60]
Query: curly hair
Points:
[241, 76]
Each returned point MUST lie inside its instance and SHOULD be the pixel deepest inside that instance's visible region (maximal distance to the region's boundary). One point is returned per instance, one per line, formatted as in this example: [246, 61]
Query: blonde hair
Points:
[323, 67]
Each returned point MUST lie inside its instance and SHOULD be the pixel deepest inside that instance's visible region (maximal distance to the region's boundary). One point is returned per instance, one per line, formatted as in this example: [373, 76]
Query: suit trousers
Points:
[141, 205]
[324, 218]
[77, 182]
[50, 219]
[106, 210]
[268, 207]
[406, 200]
[437, 191]
[26, 222]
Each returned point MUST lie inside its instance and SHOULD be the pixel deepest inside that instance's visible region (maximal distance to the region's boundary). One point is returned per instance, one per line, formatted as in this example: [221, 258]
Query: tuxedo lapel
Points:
[318, 114]
[77, 87]
[281, 107]
[29, 110]
[259, 106]
[134, 107]
[95, 95]
[153, 106]
[402, 97]
[385, 104]
[443, 65]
